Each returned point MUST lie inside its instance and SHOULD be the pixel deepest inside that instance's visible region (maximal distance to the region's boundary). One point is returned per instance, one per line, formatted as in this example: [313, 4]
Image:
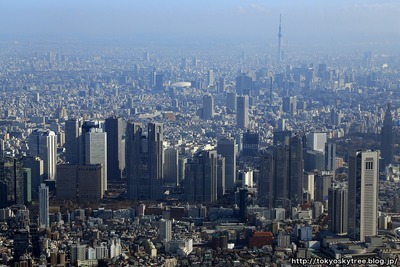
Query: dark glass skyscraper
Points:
[115, 163]
[227, 149]
[144, 161]
[201, 177]
[281, 174]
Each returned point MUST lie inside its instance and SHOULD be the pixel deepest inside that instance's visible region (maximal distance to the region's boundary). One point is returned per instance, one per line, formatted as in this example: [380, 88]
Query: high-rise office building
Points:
[87, 127]
[115, 157]
[201, 177]
[27, 185]
[251, 144]
[171, 175]
[387, 137]
[221, 84]
[363, 194]
[35, 164]
[210, 78]
[323, 181]
[43, 144]
[12, 181]
[309, 185]
[144, 161]
[266, 179]
[242, 113]
[21, 244]
[296, 170]
[96, 151]
[282, 137]
[165, 230]
[337, 210]
[66, 183]
[244, 84]
[82, 182]
[208, 106]
[289, 104]
[281, 175]
[227, 149]
[90, 181]
[231, 101]
[44, 221]
[159, 82]
[330, 156]
[73, 131]
[316, 141]
[221, 184]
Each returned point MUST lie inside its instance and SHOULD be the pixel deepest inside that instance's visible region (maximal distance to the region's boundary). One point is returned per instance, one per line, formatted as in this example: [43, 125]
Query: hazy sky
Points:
[322, 21]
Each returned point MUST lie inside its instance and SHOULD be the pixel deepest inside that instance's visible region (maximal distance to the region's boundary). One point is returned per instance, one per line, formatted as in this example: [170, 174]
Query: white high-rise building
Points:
[43, 144]
[316, 141]
[165, 230]
[96, 150]
[101, 251]
[44, 221]
[115, 248]
[363, 194]
[210, 78]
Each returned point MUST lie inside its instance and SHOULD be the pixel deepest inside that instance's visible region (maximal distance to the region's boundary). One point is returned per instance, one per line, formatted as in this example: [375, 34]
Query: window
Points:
[369, 165]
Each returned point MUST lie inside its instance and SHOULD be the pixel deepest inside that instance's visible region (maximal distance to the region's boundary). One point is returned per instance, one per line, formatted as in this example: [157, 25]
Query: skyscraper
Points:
[337, 210]
[244, 84]
[227, 148]
[363, 194]
[330, 156]
[201, 177]
[96, 151]
[208, 106]
[35, 164]
[281, 174]
[221, 85]
[12, 181]
[165, 230]
[387, 137]
[115, 160]
[171, 175]
[210, 78]
[266, 179]
[296, 170]
[144, 161]
[251, 144]
[316, 141]
[242, 114]
[44, 221]
[80, 181]
[73, 132]
[87, 126]
[231, 101]
[43, 144]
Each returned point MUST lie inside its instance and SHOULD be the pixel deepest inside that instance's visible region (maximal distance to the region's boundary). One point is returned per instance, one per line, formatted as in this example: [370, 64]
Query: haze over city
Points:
[312, 23]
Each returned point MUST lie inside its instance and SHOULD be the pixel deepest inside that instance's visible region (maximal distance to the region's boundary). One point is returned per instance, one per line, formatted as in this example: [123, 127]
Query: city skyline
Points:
[199, 133]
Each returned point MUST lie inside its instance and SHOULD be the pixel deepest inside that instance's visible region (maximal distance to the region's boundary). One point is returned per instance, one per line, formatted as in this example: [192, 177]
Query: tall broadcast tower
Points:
[280, 39]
